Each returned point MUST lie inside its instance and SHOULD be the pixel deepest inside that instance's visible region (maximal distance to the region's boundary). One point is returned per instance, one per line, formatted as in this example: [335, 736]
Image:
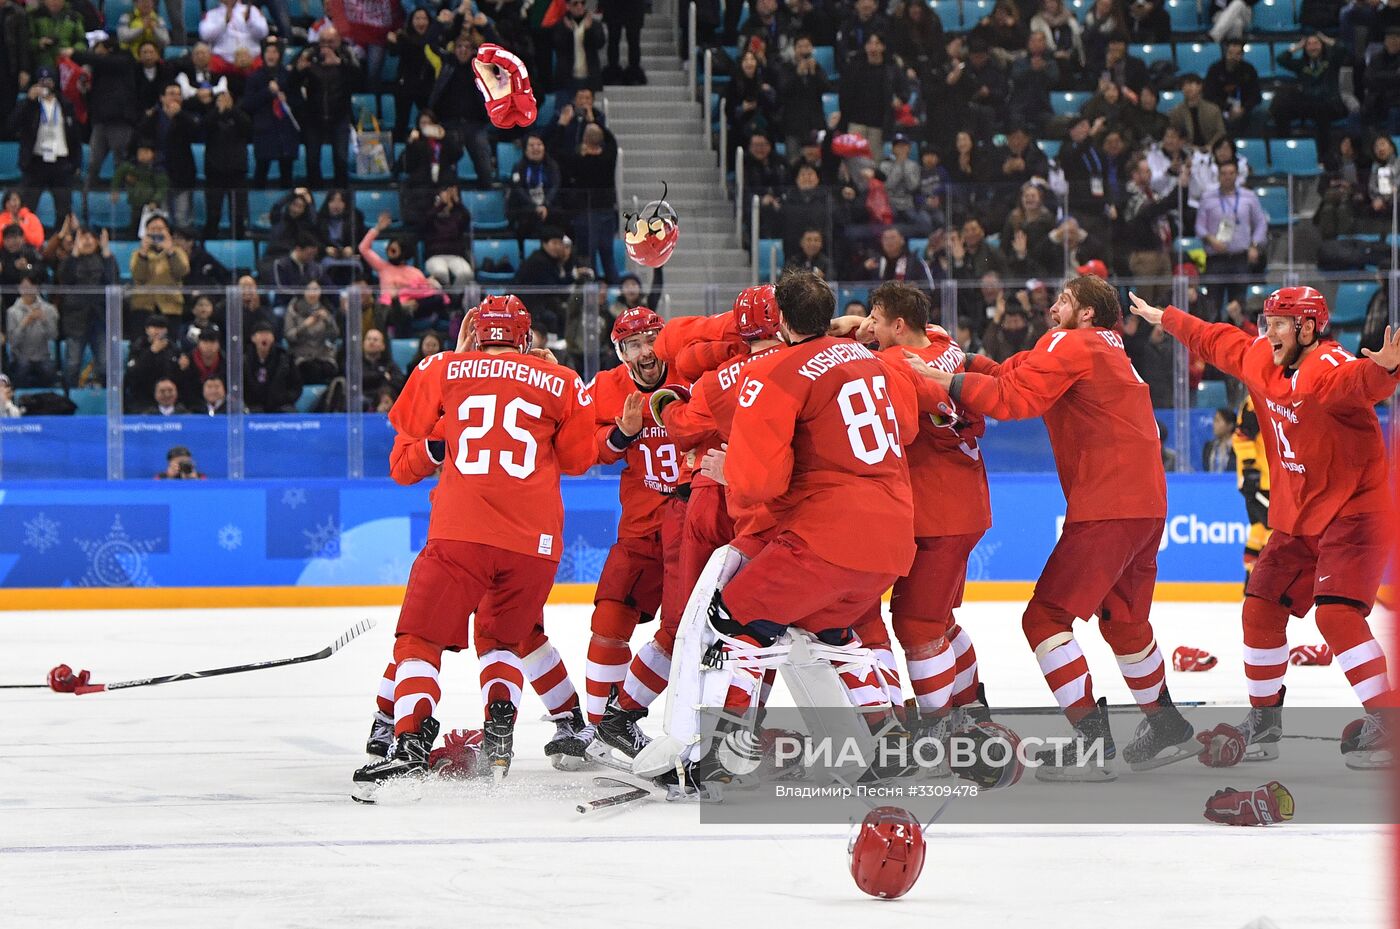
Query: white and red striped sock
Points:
[965, 679]
[1145, 674]
[384, 702]
[607, 667]
[550, 679]
[502, 677]
[744, 683]
[887, 670]
[1067, 672]
[1358, 653]
[931, 675]
[646, 677]
[1265, 650]
[416, 694]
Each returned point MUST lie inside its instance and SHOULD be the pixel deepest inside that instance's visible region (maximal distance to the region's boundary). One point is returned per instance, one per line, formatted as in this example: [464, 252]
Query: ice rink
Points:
[225, 802]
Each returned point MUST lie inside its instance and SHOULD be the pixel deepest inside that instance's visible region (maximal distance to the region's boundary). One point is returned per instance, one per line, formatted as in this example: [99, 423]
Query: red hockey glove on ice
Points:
[663, 397]
[505, 84]
[1310, 654]
[1224, 746]
[1187, 658]
[62, 680]
[1261, 806]
[457, 758]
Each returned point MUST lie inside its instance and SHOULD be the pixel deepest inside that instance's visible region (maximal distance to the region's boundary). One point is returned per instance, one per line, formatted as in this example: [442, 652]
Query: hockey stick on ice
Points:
[630, 795]
[350, 634]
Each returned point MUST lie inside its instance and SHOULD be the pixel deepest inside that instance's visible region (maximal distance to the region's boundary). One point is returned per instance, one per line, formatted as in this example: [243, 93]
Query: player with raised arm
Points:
[511, 423]
[952, 511]
[1104, 438]
[1329, 506]
[653, 506]
[697, 420]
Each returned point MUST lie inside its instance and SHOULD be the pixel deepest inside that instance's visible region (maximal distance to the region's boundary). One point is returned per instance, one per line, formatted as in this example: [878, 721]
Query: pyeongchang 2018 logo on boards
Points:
[1191, 529]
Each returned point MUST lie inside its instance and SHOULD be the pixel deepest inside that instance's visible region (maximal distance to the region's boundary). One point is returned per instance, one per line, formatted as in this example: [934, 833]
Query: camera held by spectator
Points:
[179, 466]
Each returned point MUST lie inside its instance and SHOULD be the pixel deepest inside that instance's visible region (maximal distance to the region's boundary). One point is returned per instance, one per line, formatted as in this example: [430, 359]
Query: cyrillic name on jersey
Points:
[508, 370]
[828, 358]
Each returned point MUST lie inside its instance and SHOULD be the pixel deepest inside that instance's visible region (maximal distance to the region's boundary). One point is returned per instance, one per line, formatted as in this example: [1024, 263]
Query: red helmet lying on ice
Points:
[886, 852]
[756, 313]
[650, 236]
[1299, 302]
[502, 321]
[850, 145]
[504, 83]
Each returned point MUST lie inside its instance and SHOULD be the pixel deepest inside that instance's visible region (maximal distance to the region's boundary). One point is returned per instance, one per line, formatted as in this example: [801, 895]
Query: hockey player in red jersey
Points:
[952, 510]
[1329, 502]
[653, 507]
[511, 423]
[697, 420]
[1104, 437]
[413, 460]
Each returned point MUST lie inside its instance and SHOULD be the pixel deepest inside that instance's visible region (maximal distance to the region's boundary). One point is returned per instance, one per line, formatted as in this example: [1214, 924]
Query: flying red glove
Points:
[1223, 746]
[505, 84]
[1186, 658]
[1261, 806]
[458, 756]
[663, 397]
[1309, 655]
[62, 679]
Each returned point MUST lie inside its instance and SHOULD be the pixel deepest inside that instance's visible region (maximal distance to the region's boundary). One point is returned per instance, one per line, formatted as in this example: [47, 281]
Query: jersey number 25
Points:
[517, 464]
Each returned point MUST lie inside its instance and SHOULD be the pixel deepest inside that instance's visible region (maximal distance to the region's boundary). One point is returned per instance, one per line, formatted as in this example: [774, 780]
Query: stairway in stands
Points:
[662, 136]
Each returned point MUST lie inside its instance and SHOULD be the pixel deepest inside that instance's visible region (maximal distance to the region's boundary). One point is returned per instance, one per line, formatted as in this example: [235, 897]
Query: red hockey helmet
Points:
[650, 236]
[1299, 302]
[635, 321]
[1094, 267]
[502, 321]
[886, 852]
[756, 313]
[850, 145]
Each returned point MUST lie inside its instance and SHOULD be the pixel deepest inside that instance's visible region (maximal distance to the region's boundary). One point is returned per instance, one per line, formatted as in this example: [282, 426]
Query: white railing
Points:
[739, 196]
[754, 209]
[691, 52]
[708, 96]
[619, 184]
[723, 140]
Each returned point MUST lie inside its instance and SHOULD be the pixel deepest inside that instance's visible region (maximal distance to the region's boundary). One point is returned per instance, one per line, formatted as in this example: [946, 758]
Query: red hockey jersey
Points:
[1099, 415]
[1331, 458]
[511, 424]
[817, 440]
[655, 466]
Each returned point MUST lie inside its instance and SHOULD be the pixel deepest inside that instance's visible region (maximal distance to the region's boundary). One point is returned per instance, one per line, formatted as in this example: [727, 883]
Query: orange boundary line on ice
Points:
[167, 598]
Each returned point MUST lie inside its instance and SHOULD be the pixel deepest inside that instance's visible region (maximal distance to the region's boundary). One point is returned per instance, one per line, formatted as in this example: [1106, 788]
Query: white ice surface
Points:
[224, 802]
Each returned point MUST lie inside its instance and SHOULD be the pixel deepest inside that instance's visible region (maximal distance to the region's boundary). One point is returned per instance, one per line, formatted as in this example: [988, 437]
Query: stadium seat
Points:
[1069, 102]
[121, 254]
[1349, 309]
[1161, 51]
[1196, 57]
[1168, 99]
[9, 161]
[949, 14]
[507, 157]
[89, 402]
[235, 254]
[1274, 16]
[364, 106]
[831, 103]
[46, 209]
[1260, 55]
[770, 259]
[826, 57]
[974, 11]
[1184, 16]
[309, 395]
[374, 202]
[1274, 200]
[194, 12]
[1256, 152]
[488, 209]
[260, 204]
[498, 250]
[1211, 395]
[196, 149]
[528, 247]
[108, 215]
[1296, 157]
[403, 351]
[1351, 341]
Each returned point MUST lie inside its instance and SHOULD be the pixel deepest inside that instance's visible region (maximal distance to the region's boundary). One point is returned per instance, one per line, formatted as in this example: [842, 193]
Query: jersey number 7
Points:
[520, 465]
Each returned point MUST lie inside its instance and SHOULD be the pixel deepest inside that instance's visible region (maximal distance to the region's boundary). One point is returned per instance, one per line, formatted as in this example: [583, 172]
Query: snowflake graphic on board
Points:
[582, 562]
[40, 533]
[324, 540]
[979, 563]
[293, 497]
[230, 538]
[117, 560]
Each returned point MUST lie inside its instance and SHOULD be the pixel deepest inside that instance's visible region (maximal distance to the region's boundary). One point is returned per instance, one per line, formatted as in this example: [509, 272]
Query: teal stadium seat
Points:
[1353, 299]
[488, 209]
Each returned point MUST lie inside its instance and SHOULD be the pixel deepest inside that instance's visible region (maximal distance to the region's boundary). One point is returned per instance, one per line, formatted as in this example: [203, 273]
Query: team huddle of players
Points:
[837, 458]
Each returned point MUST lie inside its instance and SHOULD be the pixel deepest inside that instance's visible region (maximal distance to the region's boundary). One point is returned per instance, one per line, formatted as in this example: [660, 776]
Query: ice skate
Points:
[409, 760]
[1086, 758]
[1262, 729]
[931, 758]
[973, 713]
[1366, 744]
[381, 736]
[498, 738]
[619, 729]
[568, 750]
[1162, 738]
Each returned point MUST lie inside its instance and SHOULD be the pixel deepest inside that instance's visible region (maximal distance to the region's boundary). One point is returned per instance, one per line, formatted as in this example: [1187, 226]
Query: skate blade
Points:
[1182, 751]
[499, 771]
[1076, 775]
[599, 753]
[1261, 751]
[1370, 761]
[562, 762]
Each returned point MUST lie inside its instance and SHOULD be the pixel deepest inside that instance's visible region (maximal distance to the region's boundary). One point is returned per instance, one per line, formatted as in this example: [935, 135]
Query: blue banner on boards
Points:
[337, 532]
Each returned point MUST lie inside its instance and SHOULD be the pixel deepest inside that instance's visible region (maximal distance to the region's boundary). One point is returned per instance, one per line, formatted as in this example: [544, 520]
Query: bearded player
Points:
[952, 511]
[1329, 505]
[511, 422]
[697, 420]
[1104, 438]
[653, 506]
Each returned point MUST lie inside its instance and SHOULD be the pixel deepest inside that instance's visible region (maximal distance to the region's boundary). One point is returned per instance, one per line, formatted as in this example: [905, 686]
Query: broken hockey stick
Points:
[79, 685]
